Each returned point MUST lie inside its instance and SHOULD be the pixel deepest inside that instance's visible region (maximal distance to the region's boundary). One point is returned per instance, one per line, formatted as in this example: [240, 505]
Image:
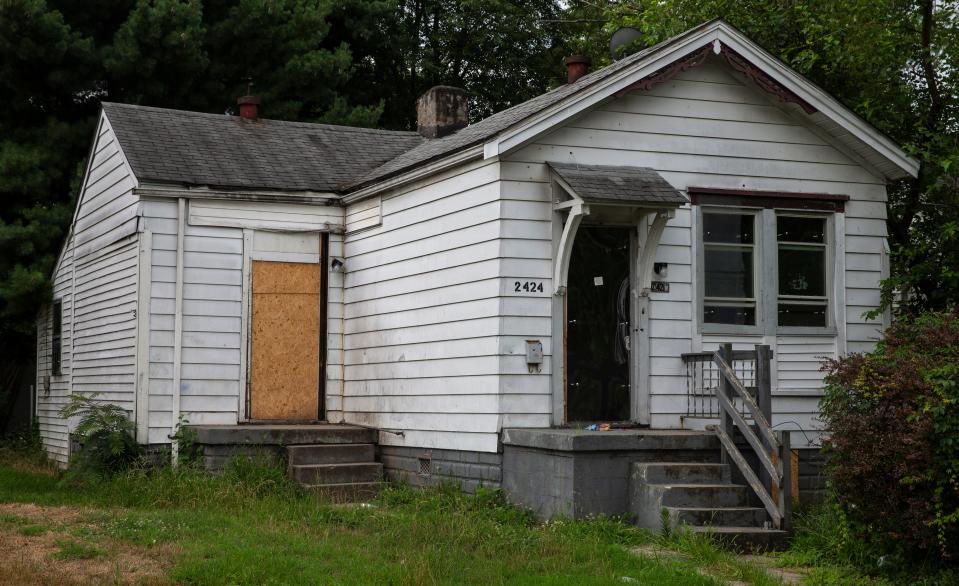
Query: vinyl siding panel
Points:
[105, 303]
[422, 313]
[53, 391]
[107, 209]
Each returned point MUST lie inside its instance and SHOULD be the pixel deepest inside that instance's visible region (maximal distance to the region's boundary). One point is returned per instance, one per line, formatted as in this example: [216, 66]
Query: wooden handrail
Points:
[733, 381]
[772, 449]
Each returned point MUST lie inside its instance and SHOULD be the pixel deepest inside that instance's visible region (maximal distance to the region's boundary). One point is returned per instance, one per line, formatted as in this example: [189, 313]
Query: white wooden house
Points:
[232, 270]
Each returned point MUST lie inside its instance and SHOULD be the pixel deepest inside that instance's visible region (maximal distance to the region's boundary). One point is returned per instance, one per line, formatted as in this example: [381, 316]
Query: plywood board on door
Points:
[285, 341]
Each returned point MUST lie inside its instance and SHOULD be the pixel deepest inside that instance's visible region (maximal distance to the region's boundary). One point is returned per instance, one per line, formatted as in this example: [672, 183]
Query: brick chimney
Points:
[441, 111]
[249, 107]
[576, 67]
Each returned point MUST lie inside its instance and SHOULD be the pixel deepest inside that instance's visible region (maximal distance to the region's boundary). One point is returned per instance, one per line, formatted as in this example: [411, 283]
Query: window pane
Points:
[729, 228]
[802, 271]
[793, 229]
[729, 272]
[802, 315]
[744, 316]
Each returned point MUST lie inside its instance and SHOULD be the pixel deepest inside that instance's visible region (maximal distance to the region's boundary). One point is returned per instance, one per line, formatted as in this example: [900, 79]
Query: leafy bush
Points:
[893, 417]
[105, 433]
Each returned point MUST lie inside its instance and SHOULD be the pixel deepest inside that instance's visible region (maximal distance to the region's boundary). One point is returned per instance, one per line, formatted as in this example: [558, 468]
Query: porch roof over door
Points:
[600, 184]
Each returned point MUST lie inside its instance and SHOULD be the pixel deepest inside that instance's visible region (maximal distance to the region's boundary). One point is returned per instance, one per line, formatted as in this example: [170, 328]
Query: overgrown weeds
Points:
[105, 433]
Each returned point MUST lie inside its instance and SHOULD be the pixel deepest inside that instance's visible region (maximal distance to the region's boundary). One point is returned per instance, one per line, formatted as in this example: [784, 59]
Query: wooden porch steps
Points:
[702, 497]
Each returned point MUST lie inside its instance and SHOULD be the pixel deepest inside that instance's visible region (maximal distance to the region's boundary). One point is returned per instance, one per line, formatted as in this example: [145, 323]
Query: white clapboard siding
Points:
[104, 324]
[107, 208]
[704, 128]
[422, 313]
[286, 217]
[211, 381]
[52, 393]
[219, 243]
[363, 214]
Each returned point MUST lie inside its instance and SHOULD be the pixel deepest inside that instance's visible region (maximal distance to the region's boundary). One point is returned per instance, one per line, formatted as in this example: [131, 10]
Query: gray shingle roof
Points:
[175, 146]
[602, 184]
[489, 127]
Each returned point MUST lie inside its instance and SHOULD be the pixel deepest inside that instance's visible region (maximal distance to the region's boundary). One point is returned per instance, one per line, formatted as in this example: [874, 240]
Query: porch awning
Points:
[603, 184]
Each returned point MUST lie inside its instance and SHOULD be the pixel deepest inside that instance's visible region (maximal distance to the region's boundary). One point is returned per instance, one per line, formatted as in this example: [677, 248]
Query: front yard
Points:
[250, 526]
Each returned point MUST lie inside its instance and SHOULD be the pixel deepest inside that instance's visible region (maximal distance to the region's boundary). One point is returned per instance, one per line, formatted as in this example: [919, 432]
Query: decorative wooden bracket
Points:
[759, 77]
[561, 269]
[664, 74]
[648, 254]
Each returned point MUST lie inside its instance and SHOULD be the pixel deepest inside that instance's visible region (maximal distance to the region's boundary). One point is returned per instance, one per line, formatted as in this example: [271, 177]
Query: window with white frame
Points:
[803, 281]
[764, 269]
[729, 267]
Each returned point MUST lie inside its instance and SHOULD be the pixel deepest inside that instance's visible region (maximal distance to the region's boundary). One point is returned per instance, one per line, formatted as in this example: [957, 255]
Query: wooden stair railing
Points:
[774, 484]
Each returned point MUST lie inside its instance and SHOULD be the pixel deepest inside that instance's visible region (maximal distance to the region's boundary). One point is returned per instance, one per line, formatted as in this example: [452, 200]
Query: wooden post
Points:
[726, 420]
[764, 400]
[785, 492]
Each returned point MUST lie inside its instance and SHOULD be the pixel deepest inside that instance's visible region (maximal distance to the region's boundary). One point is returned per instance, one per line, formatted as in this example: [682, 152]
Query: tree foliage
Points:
[893, 417]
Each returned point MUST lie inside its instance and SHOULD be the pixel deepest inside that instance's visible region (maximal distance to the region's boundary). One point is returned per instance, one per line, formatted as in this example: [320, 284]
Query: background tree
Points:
[352, 62]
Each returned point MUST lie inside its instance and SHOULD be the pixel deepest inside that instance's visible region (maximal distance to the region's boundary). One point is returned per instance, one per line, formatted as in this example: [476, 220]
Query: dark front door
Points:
[597, 334]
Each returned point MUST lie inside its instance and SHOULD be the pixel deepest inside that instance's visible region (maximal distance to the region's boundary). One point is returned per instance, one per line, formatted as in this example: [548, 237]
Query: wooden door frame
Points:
[324, 323]
[636, 374]
[247, 310]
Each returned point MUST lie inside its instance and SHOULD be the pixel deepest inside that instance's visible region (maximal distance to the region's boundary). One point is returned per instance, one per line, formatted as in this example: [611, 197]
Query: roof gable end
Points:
[651, 67]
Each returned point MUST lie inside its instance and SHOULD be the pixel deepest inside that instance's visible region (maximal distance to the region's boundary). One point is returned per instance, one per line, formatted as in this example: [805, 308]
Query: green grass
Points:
[250, 525]
[76, 550]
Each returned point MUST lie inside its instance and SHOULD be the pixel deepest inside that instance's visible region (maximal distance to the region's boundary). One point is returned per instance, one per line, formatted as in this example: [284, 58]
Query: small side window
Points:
[56, 342]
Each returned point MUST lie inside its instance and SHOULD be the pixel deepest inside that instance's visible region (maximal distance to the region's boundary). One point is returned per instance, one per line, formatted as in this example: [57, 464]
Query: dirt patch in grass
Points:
[50, 555]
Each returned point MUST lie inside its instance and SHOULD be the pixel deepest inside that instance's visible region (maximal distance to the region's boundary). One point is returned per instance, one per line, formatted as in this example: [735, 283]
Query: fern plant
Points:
[105, 433]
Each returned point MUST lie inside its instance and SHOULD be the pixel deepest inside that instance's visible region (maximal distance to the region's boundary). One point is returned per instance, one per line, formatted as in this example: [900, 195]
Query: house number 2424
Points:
[527, 287]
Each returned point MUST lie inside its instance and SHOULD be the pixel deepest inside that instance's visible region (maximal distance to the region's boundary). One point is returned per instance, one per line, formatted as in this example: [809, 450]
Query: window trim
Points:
[706, 327]
[766, 265]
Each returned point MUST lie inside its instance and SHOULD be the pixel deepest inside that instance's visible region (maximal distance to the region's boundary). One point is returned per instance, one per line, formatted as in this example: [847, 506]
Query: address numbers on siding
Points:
[527, 287]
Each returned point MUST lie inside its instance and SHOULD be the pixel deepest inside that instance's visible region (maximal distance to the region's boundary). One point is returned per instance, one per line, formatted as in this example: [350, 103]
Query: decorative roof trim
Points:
[775, 77]
[765, 82]
[665, 74]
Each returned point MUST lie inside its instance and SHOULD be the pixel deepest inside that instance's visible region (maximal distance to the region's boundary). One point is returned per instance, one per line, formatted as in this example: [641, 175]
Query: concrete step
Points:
[280, 434]
[330, 454]
[746, 539]
[685, 472]
[724, 516]
[349, 492]
[701, 495]
[323, 474]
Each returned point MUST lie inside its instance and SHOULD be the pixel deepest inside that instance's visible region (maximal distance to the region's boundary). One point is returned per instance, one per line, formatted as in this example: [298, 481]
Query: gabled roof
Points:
[515, 127]
[192, 148]
[618, 185]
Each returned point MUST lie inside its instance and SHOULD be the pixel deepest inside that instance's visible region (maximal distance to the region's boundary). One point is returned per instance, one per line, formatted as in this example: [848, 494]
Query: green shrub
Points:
[105, 433]
[893, 417]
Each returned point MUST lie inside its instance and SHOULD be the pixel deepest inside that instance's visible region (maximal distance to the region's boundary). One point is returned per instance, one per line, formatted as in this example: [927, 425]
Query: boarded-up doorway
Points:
[285, 341]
